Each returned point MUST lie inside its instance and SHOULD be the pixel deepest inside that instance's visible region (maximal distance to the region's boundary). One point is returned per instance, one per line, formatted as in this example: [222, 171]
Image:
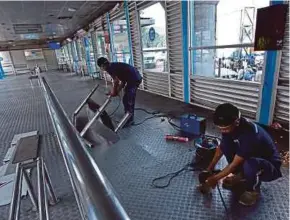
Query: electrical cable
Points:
[187, 167]
[116, 109]
[223, 201]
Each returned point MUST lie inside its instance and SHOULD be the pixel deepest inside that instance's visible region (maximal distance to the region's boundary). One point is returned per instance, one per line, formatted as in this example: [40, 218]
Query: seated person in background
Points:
[124, 76]
[251, 154]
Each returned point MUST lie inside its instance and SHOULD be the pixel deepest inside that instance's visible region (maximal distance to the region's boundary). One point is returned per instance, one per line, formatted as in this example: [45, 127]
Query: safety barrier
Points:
[94, 194]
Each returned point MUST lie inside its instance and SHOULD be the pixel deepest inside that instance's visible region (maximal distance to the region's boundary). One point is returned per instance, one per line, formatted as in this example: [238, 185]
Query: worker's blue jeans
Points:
[257, 170]
[129, 98]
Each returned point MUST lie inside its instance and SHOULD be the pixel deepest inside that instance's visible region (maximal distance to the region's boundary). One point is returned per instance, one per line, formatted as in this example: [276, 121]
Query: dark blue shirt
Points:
[125, 72]
[250, 140]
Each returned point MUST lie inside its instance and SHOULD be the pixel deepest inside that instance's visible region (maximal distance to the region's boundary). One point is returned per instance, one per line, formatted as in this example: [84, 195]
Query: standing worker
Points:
[124, 76]
[249, 150]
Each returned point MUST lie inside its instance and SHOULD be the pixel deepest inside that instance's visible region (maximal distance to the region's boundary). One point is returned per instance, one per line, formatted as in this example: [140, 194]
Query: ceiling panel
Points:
[58, 19]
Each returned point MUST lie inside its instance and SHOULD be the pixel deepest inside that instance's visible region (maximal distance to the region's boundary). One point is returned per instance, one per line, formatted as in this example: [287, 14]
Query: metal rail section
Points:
[94, 194]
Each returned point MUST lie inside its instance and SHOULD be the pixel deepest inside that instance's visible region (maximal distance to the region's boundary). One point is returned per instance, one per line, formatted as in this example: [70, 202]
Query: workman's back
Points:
[125, 72]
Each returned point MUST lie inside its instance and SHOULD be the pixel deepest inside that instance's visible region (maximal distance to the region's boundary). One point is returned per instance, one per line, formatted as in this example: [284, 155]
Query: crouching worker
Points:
[124, 76]
[251, 154]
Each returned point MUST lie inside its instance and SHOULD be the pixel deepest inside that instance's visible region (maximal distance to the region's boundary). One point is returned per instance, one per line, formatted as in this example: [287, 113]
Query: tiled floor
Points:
[131, 164]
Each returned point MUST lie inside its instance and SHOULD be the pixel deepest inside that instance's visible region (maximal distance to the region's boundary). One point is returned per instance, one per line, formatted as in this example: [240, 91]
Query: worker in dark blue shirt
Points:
[251, 154]
[124, 76]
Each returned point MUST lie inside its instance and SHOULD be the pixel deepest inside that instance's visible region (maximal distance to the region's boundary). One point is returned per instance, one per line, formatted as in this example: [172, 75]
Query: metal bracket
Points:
[123, 121]
[96, 116]
[40, 203]
[79, 108]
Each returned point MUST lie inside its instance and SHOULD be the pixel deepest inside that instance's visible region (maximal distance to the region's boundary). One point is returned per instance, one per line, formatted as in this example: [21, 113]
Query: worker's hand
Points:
[112, 94]
[212, 181]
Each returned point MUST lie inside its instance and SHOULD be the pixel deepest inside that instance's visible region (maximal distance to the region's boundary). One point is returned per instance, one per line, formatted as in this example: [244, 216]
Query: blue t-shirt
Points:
[250, 140]
[125, 72]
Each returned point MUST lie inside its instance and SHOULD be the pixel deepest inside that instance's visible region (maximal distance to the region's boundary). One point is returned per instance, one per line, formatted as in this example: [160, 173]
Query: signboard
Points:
[151, 34]
[33, 54]
[270, 27]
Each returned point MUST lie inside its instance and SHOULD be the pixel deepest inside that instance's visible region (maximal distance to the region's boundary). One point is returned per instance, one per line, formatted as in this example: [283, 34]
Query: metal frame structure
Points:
[94, 194]
[40, 203]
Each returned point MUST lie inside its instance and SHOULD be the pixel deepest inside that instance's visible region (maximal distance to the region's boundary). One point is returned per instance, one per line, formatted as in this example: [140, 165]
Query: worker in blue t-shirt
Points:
[124, 76]
[249, 150]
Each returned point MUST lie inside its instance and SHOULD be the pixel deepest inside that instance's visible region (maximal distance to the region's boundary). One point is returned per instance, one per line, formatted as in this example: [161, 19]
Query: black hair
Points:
[102, 61]
[226, 114]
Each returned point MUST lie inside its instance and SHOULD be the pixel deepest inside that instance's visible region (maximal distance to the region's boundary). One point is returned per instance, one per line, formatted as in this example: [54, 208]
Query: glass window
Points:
[217, 26]
[153, 32]
[121, 50]
[101, 45]
[91, 52]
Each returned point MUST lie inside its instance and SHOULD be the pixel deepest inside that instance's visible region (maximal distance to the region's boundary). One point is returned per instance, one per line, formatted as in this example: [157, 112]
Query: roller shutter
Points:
[281, 113]
[135, 35]
[209, 92]
[174, 42]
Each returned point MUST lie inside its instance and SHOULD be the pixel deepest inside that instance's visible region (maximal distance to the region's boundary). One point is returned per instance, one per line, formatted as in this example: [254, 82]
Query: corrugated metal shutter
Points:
[210, 92]
[281, 112]
[156, 83]
[174, 42]
[135, 36]
[117, 13]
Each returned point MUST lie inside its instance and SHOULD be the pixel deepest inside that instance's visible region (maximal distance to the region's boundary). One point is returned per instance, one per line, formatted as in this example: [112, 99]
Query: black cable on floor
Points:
[116, 109]
[188, 167]
[223, 201]
[171, 176]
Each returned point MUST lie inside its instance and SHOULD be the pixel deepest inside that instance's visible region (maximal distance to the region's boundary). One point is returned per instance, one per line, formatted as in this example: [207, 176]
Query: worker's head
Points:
[103, 63]
[226, 117]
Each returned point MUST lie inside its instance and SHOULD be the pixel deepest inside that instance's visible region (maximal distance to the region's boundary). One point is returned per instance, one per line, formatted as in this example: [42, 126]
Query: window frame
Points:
[139, 9]
[193, 48]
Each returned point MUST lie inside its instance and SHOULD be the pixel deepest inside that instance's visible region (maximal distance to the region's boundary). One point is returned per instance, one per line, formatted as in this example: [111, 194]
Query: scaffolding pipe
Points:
[94, 194]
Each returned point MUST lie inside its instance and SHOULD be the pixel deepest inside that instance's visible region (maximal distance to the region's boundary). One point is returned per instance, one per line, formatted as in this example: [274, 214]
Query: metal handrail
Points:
[94, 194]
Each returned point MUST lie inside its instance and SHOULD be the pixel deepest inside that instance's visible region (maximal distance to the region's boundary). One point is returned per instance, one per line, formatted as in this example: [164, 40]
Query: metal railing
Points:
[94, 194]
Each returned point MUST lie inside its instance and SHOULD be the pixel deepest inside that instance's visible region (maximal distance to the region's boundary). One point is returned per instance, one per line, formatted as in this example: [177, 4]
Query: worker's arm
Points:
[116, 83]
[217, 156]
[212, 181]
[121, 86]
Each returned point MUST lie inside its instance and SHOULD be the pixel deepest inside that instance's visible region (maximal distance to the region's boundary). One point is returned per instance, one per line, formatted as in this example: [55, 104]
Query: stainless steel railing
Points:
[94, 194]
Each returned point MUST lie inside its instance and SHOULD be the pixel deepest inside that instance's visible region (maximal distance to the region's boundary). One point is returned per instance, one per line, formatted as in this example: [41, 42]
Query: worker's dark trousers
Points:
[257, 170]
[129, 98]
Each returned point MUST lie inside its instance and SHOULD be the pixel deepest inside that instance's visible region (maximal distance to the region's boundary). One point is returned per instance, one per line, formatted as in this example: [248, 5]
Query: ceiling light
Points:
[71, 9]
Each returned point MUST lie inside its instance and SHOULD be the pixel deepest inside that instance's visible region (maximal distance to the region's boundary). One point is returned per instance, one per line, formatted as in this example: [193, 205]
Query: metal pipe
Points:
[96, 116]
[84, 102]
[30, 189]
[40, 190]
[44, 190]
[54, 200]
[123, 121]
[94, 194]
[19, 195]
[222, 46]
[14, 194]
